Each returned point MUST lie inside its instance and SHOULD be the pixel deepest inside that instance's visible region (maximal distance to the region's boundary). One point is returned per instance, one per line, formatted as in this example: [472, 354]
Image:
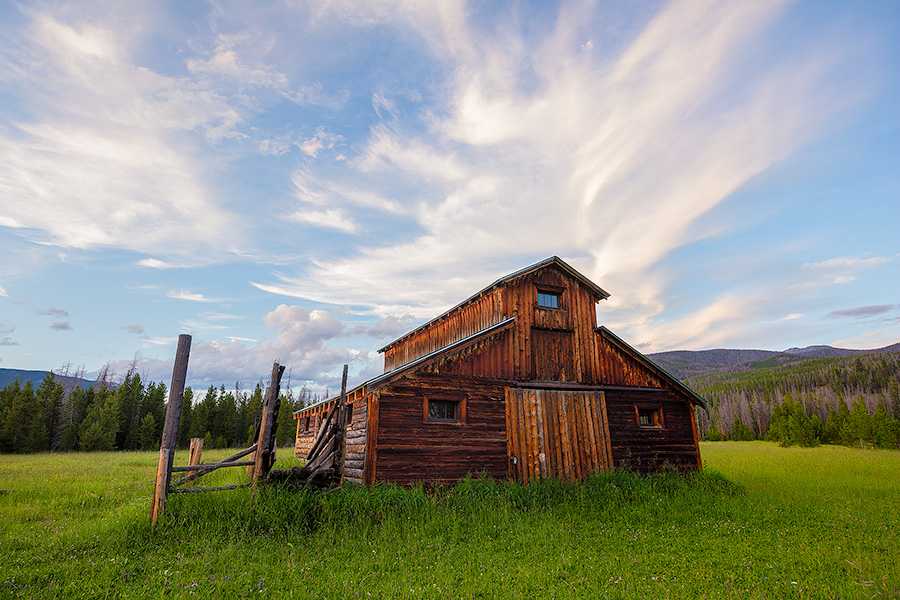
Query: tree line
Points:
[853, 401]
[59, 416]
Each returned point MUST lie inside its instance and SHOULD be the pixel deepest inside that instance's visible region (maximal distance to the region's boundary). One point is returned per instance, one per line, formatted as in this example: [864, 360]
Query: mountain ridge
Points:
[684, 364]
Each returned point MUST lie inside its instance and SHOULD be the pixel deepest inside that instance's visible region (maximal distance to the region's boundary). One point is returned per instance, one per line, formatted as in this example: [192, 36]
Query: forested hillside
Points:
[854, 400]
[130, 415]
[692, 363]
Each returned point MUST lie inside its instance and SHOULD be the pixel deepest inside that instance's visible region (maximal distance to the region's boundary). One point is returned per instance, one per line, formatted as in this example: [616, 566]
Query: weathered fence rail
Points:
[324, 463]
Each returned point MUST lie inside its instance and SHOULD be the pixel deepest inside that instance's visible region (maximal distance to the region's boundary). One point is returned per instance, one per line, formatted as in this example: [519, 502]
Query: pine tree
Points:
[149, 440]
[100, 426]
[129, 395]
[49, 398]
[79, 402]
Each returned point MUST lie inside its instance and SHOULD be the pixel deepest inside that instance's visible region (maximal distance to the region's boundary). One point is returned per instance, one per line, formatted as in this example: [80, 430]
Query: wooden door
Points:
[556, 433]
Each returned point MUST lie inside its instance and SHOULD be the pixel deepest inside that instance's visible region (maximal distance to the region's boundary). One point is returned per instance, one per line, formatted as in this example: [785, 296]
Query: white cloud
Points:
[224, 61]
[610, 160]
[108, 156]
[155, 263]
[3, 292]
[193, 296]
[304, 340]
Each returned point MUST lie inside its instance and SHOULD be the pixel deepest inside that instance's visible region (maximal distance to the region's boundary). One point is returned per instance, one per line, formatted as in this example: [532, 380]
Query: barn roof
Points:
[440, 353]
[652, 366]
[555, 261]
[448, 349]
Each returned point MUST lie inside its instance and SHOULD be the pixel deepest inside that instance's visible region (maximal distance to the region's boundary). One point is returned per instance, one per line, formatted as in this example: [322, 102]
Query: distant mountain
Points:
[7, 376]
[684, 364]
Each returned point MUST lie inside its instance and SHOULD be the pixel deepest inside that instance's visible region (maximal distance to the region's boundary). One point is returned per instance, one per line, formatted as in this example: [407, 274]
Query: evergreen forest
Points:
[62, 415]
[849, 400]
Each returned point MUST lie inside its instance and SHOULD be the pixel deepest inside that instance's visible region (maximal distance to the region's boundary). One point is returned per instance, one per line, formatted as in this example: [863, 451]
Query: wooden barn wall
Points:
[534, 347]
[489, 357]
[409, 449]
[355, 452]
[648, 448]
[556, 433]
[308, 422]
[470, 319]
[618, 368]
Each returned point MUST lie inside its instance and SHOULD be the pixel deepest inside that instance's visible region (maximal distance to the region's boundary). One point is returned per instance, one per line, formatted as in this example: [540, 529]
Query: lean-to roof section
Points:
[446, 350]
[652, 366]
[437, 354]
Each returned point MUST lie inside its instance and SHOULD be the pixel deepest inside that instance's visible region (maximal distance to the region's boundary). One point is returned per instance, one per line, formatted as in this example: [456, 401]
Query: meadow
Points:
[760, 521]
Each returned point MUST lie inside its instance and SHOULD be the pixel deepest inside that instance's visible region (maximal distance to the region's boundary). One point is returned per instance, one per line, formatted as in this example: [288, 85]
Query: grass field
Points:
[759, 522]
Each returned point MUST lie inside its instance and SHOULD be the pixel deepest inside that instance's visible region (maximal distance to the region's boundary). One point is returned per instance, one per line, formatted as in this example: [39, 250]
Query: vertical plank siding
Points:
[557, 433]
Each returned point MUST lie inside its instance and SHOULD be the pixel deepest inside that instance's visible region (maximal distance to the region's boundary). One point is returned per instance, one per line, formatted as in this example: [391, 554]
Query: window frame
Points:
[460, 411]
[551, 292]
[657, 417]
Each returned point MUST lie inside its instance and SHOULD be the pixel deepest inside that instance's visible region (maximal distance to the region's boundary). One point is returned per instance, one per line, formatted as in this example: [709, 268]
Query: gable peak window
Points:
[547, 299]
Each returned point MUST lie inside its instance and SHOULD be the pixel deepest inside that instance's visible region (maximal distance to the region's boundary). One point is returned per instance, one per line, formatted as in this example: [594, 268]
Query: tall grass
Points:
[758, 522]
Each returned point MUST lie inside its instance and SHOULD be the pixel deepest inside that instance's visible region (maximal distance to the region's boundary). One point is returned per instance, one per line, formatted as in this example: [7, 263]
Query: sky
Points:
[306, 181]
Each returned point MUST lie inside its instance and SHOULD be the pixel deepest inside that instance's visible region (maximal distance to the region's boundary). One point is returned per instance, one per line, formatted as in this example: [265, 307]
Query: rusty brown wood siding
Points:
[618, 368]
[516, 297]
[571, 343]
[489, 358]
[409, 449]
[556, 433]
[475, 316]
[647, 448]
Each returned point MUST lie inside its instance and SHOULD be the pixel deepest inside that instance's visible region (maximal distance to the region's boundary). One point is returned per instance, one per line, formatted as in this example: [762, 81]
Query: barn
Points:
[516, 381]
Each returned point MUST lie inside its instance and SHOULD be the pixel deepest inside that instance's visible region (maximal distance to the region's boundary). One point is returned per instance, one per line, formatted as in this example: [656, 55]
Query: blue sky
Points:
[305, 181]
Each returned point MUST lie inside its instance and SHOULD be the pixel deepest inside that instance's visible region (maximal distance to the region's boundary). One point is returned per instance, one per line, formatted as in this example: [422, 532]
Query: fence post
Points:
[170, 429]
[341, 441]
[195, 454]
[263, 457]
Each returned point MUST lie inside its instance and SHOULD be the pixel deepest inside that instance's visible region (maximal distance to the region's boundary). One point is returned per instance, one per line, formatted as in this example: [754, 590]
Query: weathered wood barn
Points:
[516, 381]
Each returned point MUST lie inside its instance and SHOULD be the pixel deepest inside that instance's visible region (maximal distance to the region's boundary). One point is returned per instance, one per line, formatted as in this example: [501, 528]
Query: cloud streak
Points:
[545, 147]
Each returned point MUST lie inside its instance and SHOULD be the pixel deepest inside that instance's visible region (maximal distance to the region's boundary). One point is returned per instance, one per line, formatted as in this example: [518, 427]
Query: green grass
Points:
[759, 522]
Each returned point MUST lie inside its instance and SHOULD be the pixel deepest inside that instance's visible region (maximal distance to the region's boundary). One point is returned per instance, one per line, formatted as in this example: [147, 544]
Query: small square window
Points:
[444, 411]
[548, 299]
[441, 410]
[649, 417]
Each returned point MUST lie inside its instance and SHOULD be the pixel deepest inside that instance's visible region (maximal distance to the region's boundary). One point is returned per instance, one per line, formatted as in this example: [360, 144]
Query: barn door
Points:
[556, 433]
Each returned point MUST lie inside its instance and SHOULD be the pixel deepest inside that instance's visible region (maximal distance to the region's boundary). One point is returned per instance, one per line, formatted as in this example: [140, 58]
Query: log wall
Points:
[355, 448]
[650, 448]
[409, 449]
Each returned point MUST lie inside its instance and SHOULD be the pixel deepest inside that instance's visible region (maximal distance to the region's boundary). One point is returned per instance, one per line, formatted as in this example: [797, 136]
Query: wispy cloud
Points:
[136, 328]
[861, 311]
[3, 292]
[546, 146]
[53, 312]
[61, 326]
[193, 296]
[7, 327]
[102, 131]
